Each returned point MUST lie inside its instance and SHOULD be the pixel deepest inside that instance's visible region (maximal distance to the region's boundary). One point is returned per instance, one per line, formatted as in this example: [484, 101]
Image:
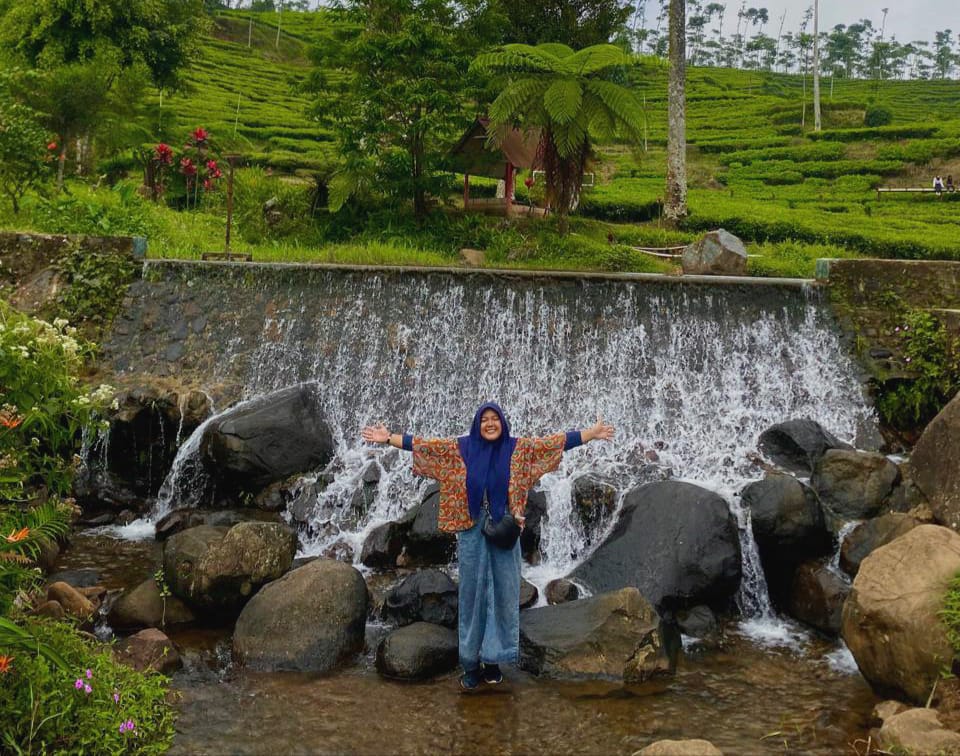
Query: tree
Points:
[25, 151]
[675, 202]
[943, 57]
[817, 122]
[397, 100]
[163, 35]
[568, 95]
[577, 23]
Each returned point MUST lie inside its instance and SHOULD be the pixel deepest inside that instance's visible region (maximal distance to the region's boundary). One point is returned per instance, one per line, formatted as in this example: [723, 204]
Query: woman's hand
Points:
[600, 431]
[376, 434]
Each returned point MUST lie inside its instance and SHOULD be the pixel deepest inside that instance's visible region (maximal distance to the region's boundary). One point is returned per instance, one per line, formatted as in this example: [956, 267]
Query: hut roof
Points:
[479, 155]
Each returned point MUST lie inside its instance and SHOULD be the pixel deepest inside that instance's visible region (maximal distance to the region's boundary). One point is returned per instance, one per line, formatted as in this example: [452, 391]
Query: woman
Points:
[486, 474]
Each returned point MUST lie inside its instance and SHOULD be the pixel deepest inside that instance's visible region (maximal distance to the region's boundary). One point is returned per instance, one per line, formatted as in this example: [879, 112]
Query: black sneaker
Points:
[470, 680]
[492, 674]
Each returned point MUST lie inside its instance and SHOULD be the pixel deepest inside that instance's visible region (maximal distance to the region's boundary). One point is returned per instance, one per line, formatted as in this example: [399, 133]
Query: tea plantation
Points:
[755, 167]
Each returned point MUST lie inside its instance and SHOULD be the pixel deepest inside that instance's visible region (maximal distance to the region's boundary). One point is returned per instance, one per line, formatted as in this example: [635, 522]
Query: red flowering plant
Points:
[198, 165]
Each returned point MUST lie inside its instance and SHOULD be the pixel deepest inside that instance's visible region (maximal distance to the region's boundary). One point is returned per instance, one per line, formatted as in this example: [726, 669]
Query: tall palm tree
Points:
[567, 95]
[675, 203]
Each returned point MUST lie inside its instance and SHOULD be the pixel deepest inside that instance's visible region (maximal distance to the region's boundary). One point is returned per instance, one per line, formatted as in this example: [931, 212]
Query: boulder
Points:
[177, 521]
[83, 578]
[873, 534]
[417, 652]
[560, 591]
[310, 620]
[699, 622]
[217, 569]
[918, 731]
[891, 619]
[268, 439]
[611, 635]
[935, 464]
[788, 527]
[188, 517]
[426, 596]
[148, 651]
[675, 542]
[383, 545]
[680, 748]
[594, 502]
[145, 607]
[528, 594]
[853, 485]
[72, 601]
[797, 445]
[717, 253]
[535, 515]
[425, 543]
[817, 596]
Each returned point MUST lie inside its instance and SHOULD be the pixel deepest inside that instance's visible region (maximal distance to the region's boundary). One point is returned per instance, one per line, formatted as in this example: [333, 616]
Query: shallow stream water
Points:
[799, 695]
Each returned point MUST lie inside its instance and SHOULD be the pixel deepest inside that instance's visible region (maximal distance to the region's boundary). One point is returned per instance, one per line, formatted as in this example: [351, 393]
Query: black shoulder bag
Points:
[502, 534]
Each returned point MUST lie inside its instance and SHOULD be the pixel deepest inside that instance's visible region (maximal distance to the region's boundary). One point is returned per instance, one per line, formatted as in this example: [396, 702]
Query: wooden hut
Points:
[510, 149]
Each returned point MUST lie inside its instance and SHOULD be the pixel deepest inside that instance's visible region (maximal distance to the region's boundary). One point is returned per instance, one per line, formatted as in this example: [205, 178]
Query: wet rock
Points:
[797, 445]
[383, 545]
[83, 578]
[873, 534]
[918, 731]
[595, 501]
[418, 652]
[535, 515]
[935, 464]
[853, 485]
[339, 550]
[145, 607]
[98, 520]
[303, 504]
[177, 521]
[148, 651]
[788, 527]
[699, 622]
[717, 253]
[273, 498]
[271, 438]
[680, 748]
[611, 635]
[528, 594]
[426, 596]
[72, 601]
[560, 591]
[817, 597]
[425, 543]
[890, 620]
[217, 569]
[675, 542]
[311, 619]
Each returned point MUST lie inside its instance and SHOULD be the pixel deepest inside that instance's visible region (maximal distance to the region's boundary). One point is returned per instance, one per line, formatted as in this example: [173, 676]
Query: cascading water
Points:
[693, 372]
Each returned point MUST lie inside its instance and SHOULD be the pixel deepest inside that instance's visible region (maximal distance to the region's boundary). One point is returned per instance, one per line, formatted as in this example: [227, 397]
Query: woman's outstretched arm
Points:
[599, 431]
[378, 434]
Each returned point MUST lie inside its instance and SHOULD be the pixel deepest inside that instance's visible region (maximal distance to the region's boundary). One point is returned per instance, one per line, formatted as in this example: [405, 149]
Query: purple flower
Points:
[897, 329]
[89, 674]
[116, 698]
[78, 684]
[130, 726]
[87, 689]
[123, 727]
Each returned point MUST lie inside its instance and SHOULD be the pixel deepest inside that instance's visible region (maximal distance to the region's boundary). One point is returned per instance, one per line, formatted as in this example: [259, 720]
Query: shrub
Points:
[877, 115]
[90, 704]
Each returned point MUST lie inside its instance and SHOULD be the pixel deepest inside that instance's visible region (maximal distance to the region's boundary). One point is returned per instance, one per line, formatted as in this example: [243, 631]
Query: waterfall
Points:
[688, 374]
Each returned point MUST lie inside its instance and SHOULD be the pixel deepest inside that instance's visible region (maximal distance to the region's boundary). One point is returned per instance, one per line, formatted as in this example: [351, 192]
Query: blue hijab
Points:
[488, 465]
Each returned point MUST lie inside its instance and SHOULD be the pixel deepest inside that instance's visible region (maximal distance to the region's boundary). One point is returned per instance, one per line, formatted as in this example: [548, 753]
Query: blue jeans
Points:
[489, 598]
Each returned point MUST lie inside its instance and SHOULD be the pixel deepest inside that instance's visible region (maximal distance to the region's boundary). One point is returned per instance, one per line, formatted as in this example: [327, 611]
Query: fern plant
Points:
[571, 98]
[22, 535]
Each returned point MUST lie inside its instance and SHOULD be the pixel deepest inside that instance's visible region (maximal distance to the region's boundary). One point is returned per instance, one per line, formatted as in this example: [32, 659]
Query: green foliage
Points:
[98, 281]
[397, 99]
[108, 212]
[877, 115]
[950, 614]
[933, 358]
[23, 532]
[911, 131]
[44, 711]
[581, 24]
[568, 95]
[24, 156]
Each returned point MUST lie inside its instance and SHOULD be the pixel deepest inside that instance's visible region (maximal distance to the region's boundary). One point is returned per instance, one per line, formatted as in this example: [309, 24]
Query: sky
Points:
[907, 20]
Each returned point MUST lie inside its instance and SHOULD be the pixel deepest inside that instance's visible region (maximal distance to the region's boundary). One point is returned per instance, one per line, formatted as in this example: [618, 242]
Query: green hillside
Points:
[755, 167]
